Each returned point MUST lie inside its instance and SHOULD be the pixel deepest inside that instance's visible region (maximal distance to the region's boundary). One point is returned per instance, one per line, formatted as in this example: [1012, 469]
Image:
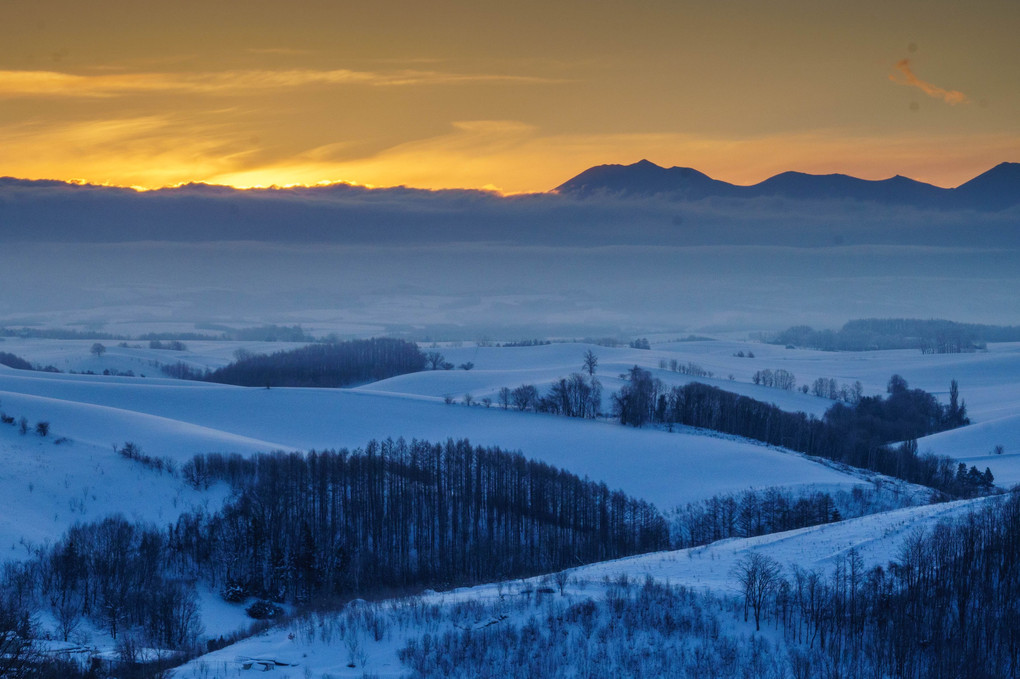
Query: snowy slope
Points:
[313, 647]
[876, 537]
[988, 380]
[659, 466]
[975, 446]
[497, 367]
[46, 487]
[68, 355]
[179, 419]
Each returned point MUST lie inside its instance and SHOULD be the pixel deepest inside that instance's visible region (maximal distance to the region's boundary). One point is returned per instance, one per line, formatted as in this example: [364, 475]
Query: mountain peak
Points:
[643, 178]
[996, 189]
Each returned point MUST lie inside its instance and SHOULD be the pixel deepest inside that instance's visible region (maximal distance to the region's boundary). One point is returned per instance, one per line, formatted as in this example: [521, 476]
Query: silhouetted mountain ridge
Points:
[995, 189]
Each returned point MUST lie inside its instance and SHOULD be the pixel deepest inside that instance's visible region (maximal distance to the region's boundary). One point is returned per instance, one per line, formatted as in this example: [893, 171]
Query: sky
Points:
[513, 96]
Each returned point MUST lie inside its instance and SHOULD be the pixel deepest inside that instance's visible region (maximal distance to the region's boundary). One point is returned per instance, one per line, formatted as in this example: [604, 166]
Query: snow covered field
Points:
[46, 486]
[179, 419]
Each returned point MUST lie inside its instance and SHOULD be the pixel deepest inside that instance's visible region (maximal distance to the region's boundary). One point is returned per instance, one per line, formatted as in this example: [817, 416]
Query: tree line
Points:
[749, 514]
[323, 527]
[398, 514]
[930, 336]
[856, 434]
[14, 361]
[947, 606]
[335, 364]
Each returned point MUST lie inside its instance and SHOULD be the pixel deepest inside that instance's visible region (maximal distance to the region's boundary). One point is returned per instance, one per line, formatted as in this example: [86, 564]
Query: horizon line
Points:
[490, 189]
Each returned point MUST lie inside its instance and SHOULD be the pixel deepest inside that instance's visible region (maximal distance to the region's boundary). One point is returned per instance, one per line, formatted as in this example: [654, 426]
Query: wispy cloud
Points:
[225, 145]
[906, 77]
[514, 157]
[148, 151]
[239, 82]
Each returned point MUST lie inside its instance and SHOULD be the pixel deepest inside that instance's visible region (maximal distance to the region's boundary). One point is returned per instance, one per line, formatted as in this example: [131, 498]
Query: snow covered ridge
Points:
[682, 613]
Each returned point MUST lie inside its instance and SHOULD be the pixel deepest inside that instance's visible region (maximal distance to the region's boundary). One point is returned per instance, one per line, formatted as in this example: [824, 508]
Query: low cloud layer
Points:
[466, 263]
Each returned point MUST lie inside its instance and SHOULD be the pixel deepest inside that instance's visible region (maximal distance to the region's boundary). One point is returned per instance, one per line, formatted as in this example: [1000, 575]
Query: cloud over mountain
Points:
[470, 262]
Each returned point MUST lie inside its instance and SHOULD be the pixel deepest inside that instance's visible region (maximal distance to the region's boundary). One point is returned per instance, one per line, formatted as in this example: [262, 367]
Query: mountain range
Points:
[996, 189]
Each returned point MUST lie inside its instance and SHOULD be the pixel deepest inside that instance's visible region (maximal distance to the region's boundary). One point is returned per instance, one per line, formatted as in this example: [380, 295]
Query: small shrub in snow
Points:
[134, 452]
[264, 610]
[234, 592]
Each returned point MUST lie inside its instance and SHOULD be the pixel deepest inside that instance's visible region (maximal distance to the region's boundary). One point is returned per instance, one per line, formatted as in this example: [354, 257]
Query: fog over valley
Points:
[464, 263]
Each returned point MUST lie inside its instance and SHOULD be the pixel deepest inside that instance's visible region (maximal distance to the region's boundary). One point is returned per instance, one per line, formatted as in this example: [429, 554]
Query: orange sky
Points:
[515, 96]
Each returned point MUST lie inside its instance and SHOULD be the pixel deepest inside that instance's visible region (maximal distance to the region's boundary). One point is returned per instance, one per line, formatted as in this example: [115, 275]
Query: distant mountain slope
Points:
[996, 189]
[645, 178]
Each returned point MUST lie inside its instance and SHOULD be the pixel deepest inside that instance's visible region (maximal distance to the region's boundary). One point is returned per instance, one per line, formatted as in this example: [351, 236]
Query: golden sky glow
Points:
[515, 96]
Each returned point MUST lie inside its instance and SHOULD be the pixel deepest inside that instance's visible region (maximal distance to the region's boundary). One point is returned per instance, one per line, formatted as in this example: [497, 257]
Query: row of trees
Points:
[399, 514]
[579, 395]
[14, 361]
[324, 525]
[748, 514]
[828, 388]
[779, 378]
[858, 435]
[574, 396]
[947, 607]
[903, 414]
[689, 368]
[930, 336]
[316, 365]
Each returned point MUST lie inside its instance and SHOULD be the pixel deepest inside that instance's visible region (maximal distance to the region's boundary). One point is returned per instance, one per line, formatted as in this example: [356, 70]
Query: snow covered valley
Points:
[78, 472]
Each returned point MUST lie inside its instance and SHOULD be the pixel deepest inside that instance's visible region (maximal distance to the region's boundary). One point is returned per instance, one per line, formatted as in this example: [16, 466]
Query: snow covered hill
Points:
[342, 644]
[75, 473]
[181, 419]
[177, 419]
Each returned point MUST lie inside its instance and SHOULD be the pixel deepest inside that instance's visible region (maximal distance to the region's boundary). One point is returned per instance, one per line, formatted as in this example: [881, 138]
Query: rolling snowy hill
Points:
[342, 645]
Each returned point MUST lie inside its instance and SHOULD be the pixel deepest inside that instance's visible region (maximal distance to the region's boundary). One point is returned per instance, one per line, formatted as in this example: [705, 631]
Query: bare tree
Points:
[561, 578]
[524, 396]
[97, 350]
[17, 653]
[591, 362]
[759, 576]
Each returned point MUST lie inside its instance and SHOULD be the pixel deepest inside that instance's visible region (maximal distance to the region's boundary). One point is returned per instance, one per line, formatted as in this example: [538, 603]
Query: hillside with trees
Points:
[324, 527]
[331, 364]
[872, 334]
[860, 434]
